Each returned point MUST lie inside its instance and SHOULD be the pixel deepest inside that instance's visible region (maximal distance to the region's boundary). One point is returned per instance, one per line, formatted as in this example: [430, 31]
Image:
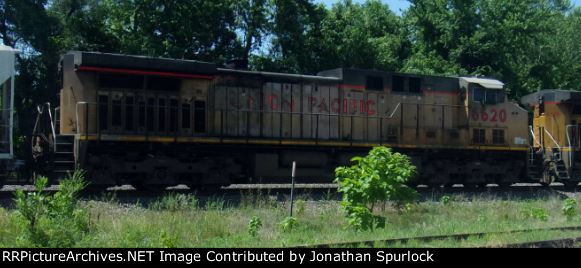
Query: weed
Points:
[569, 208]
[254, 226]
[539, 214]
[445, 200]
[288, 224]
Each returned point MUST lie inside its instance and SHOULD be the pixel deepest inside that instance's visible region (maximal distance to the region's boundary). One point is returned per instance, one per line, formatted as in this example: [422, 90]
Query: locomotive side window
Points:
[487, 96]
[478, 94]
[577, 109]
[498, 136]
[116, 111]
[415, 85]
[161, 113]
[150, 113]
[129, 108]
[374, 83]
[398, 83]
[199, 116]
[173, 115]
[186, 120]
[491, 97]
[478, 136]
[103, 111]
[141, 112]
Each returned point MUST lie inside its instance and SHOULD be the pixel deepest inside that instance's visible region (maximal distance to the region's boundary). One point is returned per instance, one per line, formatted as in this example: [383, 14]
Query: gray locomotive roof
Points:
[120, 61]
[284, 76]
[552, 95]
[485, 82]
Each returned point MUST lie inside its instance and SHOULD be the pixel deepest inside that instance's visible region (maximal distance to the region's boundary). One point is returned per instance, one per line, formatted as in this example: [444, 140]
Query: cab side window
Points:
[478, 94]
[487, 96]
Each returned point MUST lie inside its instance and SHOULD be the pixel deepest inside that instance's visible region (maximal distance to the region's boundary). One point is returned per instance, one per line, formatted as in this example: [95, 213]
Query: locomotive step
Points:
[64, 162]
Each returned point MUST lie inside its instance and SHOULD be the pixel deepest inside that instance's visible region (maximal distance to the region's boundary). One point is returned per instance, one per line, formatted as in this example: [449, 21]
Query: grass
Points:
[178, 220]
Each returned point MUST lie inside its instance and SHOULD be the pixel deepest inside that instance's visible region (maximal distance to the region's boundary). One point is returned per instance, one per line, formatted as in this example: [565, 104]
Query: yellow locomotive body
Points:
[555, 136]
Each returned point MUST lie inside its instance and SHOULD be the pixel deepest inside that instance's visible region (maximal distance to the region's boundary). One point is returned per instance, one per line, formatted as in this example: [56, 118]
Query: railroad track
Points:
[316, 186]
[392, 241]
[554, 243]
[280, 192]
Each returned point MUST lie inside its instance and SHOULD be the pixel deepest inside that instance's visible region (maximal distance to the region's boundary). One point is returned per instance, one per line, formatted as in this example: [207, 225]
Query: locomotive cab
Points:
[493, 120]
[555, 136]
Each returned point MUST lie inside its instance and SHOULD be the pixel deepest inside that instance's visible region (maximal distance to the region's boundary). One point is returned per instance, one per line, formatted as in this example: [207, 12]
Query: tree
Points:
[294, 34]
[363, 36]
[501, 39]
[252, 21]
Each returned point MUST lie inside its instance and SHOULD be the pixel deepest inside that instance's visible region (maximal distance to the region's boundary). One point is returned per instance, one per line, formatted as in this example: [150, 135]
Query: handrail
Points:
[394, 110]
[51, 125]
[553, 139]
[569, 144]
[57, 113]
[533, 136]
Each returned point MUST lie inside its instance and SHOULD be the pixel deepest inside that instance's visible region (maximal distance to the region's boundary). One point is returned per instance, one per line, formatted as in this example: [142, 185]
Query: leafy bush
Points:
[539, 214]
[569, 208]
[380, 176]
[288, 224]
[254, 226]
[445, 199]
[53, 220]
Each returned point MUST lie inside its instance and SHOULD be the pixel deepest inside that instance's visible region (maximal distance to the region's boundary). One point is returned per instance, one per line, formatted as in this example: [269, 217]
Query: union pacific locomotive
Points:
[155, 122]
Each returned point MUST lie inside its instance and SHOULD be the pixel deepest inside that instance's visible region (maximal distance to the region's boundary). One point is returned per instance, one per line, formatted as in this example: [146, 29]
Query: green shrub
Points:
[53, 220]
[380, 176]
[539, 214]
[445, 200]
[569, 208]
[288, 224]
[254, 226]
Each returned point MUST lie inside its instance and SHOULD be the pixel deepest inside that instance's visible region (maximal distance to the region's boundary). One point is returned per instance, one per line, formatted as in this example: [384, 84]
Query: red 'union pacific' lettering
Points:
[349, 106]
